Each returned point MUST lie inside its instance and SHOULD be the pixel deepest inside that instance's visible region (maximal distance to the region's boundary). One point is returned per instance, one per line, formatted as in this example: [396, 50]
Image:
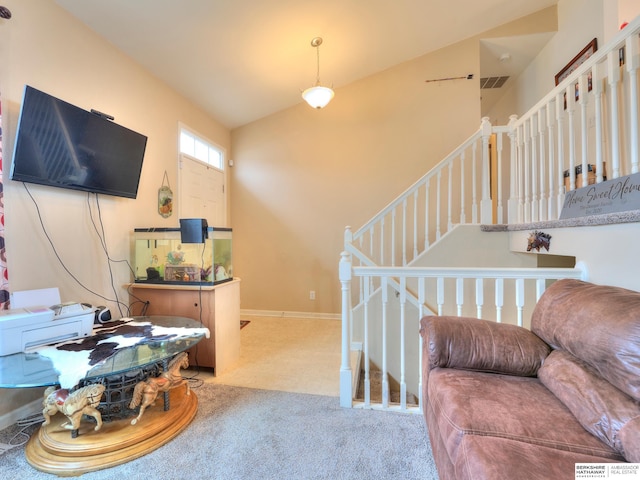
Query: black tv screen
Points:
[61, 145]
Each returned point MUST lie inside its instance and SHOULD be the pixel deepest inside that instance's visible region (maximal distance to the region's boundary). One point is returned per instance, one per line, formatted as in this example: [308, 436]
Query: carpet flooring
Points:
[245, 433]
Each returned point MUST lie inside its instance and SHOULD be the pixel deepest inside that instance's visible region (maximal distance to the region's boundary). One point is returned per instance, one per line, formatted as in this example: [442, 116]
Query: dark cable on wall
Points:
[55, 252]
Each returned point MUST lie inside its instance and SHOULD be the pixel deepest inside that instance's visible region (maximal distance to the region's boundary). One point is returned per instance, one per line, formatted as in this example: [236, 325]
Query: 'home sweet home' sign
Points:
[612, 196]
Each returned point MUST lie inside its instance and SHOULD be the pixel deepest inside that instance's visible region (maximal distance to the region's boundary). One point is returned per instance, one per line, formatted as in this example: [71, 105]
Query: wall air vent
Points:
[492, 82]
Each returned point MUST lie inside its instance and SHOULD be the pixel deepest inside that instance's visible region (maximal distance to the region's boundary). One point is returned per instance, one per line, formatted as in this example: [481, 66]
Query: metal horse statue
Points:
[145, 393]
[73, 405]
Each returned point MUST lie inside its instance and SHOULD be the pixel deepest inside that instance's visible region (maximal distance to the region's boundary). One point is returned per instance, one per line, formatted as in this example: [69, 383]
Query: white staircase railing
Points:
[456, 191]
[387, 318]
[588, 123]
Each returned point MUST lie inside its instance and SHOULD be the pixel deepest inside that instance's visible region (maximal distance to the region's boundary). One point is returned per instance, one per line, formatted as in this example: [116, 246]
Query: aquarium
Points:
[161, 257]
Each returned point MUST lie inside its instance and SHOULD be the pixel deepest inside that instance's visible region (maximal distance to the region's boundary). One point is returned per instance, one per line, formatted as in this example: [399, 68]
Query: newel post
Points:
[486, 213]
[346, 379]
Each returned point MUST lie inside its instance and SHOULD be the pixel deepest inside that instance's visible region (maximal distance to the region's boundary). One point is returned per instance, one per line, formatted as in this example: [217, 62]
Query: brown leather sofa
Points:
[503, 402]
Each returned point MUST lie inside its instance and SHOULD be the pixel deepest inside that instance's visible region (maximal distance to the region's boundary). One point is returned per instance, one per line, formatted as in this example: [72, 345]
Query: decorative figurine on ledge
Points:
[145, 393]
[73, 405]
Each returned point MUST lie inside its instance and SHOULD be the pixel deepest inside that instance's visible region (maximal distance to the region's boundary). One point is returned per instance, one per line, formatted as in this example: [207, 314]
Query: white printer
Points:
[29, 324]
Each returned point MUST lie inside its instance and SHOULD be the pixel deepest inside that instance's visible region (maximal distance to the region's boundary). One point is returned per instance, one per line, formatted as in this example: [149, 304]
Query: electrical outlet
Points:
[312, 294]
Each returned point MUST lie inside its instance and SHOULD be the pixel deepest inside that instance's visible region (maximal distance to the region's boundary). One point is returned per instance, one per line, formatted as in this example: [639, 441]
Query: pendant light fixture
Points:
[317, 96]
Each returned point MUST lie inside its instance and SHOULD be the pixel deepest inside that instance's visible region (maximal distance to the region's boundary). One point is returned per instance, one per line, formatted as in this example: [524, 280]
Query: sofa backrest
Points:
[594, 368]
[598, 324]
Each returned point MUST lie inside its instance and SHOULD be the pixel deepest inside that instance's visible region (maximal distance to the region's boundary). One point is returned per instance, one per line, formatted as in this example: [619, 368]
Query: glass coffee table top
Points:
[34, 370]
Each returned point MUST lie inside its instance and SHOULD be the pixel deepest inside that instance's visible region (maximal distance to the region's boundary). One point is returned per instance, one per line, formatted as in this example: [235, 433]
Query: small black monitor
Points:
[193, 230]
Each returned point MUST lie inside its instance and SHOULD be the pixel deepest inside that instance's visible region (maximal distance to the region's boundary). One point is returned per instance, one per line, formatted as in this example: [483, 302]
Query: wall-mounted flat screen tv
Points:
[61, 145]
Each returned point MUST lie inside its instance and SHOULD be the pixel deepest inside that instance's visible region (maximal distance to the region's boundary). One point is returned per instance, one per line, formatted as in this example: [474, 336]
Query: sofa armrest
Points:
[482, 345]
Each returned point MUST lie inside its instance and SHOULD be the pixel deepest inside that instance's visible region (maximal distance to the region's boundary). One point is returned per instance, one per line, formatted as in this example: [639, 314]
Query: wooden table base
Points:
[52, 449]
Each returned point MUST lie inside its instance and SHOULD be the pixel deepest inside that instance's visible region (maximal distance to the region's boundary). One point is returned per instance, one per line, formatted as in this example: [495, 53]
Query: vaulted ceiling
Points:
[241, 60]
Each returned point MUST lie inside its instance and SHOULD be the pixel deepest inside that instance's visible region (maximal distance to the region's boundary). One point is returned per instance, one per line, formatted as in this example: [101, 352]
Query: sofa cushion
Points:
[516, 408]
[474, 344]
[600, 407]
[491, 458]
[598, 324]
[496, 458]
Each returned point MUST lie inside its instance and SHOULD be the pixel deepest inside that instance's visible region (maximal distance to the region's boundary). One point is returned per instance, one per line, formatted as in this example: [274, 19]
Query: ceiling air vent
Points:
[492, 82]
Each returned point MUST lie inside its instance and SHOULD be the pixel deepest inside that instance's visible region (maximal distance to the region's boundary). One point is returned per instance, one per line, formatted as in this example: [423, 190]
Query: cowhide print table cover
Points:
[74, 359]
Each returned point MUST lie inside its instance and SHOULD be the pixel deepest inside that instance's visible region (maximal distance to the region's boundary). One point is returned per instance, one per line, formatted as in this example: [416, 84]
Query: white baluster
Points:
[552, 213]
[559, 117]
[459, 295]
[540, 287]
[520, 299]
[500, 206]
[571, 103]
[382, 256]
[440, 295]
[474, 182]
[597, 90]
[371, 237]
[520, 172]
[403, 353]
[632, 62]
[438, 203]
[542, 163]
[415, 224]
[499, 298]
[393, 238]
[526, 171]
[421, 301]
[365, 346]
[479, 297]
[426, 213]
[513, 171]
[384, 285]
[614, 81]
[535, 165]
[450, 197]
[404, 232]
[463, 219]
[583, 101]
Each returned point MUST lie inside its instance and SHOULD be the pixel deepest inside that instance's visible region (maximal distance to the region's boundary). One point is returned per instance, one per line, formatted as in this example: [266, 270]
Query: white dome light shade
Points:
[318, 96]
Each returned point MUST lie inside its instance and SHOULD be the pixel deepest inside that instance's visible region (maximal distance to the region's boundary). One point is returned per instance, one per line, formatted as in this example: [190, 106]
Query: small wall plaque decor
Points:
[538, 240]
[165, 198]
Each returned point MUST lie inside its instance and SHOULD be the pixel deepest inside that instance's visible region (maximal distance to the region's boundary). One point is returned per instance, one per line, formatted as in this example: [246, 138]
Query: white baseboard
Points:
[24, 411]
[281, 314]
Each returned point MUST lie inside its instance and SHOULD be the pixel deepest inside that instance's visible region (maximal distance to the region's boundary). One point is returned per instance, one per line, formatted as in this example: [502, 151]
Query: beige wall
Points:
[302, 175]
[45, 47]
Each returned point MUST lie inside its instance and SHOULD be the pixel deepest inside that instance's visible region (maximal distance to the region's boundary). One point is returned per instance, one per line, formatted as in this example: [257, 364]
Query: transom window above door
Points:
[200, 149]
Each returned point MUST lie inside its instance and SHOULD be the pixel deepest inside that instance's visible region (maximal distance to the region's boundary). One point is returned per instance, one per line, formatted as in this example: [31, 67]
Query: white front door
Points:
[201, 192]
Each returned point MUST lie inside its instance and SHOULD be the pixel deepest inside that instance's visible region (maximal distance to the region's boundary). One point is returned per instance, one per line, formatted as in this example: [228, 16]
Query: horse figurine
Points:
[146, 392]
[538, 240]
[73, 405]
